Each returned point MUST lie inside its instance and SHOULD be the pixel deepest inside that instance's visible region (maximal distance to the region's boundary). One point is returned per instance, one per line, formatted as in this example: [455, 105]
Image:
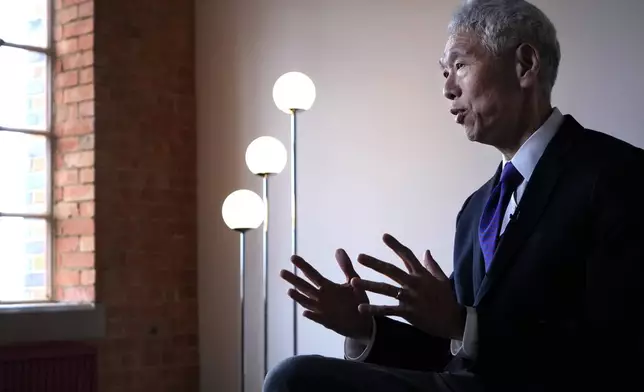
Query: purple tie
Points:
[492, 216]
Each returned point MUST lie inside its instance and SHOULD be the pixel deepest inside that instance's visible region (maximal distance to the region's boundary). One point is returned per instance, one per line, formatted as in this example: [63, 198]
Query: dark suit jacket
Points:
[561, 301]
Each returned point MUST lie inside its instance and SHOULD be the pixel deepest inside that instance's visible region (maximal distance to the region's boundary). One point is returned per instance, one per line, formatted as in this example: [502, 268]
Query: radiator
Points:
[50, 367]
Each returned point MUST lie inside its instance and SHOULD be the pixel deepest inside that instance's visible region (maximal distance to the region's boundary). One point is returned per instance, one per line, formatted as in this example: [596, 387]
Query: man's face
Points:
[484, 89]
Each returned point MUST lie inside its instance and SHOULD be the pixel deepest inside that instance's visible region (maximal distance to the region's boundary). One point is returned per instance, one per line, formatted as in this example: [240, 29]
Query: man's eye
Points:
[459, 65]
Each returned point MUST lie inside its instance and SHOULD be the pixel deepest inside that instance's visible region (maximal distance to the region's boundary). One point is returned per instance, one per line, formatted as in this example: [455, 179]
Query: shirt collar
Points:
[526, 159]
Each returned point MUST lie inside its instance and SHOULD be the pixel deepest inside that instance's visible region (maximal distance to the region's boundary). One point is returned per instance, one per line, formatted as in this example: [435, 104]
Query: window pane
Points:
[23, 254]
[24, 22]
[23, 173]
[23, 89]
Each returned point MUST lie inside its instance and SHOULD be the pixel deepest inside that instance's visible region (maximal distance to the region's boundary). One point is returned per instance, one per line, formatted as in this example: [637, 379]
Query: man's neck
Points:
[530, 124]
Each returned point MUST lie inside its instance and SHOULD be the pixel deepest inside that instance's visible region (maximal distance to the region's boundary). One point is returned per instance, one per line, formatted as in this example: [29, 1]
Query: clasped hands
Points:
[424, 294]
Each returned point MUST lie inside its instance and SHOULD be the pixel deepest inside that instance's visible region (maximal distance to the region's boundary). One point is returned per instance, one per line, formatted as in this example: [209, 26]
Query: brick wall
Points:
[125, 185]
[74, 151]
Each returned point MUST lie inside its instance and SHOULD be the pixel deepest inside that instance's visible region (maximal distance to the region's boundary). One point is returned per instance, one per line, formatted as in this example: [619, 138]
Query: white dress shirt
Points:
[525, 161]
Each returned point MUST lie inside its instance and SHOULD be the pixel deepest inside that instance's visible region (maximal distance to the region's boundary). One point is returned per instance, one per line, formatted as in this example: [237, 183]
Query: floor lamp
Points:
[265, 157]
[294, 92]
[242, 211]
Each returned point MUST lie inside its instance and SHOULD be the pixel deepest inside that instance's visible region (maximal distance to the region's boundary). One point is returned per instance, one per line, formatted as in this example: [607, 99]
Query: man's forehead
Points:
[458, 45]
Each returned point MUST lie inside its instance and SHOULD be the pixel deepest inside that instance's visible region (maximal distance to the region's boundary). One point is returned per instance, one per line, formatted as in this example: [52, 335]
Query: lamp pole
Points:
[265, 156]
[242, 290]
[265, 268]
[294, 92]
[294, 213]
[242, 211]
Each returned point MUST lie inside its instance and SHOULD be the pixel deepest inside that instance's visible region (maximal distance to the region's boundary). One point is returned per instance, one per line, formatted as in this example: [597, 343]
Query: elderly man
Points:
[547, 256]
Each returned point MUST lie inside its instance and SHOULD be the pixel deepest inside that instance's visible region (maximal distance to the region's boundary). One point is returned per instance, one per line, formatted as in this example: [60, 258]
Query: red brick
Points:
[58, 97]
[86, 42]
[86, 109]
[79, 159]
[76, 260]
[86, 9]
[87, 58]
[86, 142]
[66, 15]
[66, 177]
[87, 244]
[67, 277]
[58, 194]
[78, 94]
[65, 210]
[67, 144]
[81, 294]
[67, 244]
[78, 226]
[87, 75]
[80, 27]
[87, 209]
[78, 192]
[77, 60]
[81, 126]
[64, 113]
[67, 79]
[88, 277]
[58, 33]
[67, 46]
[86, 176]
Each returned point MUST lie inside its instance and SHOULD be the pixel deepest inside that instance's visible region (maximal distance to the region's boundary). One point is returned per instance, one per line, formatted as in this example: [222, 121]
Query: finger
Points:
[407, 256]
[345, 264]
[386, 269]
[433, 267]
[310, 272]
[299, 283]
[382, 310]
[315, 317]
[375, 287]
[303, 300]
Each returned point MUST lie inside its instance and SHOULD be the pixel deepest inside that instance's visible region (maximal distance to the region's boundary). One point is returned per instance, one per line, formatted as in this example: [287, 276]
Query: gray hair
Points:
[503, 25]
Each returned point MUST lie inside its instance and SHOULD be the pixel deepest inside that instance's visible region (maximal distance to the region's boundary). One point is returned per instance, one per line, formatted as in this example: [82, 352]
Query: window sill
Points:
[51, 322]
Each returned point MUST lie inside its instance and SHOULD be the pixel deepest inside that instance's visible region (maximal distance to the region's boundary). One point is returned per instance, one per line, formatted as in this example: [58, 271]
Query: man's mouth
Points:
[459, 115]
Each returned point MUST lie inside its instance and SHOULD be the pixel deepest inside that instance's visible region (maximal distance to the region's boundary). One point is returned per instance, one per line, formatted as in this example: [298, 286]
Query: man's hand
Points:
[425, 297]
[335, 306]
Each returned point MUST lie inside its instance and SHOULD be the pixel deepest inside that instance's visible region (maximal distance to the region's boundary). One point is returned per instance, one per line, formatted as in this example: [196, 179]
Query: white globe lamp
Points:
[266, 155]
[294, 91]
[243, 210]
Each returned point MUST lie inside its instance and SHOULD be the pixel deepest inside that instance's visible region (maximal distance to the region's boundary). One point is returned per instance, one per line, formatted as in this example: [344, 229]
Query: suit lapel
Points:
[532, 204]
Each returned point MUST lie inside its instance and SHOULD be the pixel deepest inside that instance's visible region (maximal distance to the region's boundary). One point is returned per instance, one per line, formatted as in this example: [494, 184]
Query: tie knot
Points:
[511, 176]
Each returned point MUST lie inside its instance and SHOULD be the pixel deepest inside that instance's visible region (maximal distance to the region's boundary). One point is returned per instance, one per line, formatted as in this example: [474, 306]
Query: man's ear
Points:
[528, 65]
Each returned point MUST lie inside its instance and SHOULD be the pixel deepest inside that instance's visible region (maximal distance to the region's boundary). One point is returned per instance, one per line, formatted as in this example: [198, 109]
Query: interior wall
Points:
[378, 152]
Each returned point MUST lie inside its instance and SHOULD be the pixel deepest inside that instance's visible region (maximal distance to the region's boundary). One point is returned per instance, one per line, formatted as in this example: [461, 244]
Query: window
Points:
[25, 151]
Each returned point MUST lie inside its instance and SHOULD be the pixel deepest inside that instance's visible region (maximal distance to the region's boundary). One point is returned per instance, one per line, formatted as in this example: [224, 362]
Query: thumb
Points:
[433, 267]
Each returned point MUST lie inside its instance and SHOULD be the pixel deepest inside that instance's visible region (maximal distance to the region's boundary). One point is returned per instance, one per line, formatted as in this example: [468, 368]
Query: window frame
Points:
[48, 133]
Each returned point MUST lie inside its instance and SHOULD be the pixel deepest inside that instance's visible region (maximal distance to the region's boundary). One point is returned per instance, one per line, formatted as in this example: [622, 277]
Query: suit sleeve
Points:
[401, 345]
[613, 330]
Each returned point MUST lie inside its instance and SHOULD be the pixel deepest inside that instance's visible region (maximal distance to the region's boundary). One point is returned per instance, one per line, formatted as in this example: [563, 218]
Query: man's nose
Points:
[451, 90]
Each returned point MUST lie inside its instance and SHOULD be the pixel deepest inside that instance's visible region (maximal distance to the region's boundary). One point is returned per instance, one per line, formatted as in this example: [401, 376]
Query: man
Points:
[547, 255]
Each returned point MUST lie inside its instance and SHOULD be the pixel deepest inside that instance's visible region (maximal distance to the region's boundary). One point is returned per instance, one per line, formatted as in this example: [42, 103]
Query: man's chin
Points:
[471, 133]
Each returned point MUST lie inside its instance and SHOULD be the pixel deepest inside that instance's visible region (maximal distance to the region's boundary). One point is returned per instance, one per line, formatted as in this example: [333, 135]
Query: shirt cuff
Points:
[468, 346]
[359, 349]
